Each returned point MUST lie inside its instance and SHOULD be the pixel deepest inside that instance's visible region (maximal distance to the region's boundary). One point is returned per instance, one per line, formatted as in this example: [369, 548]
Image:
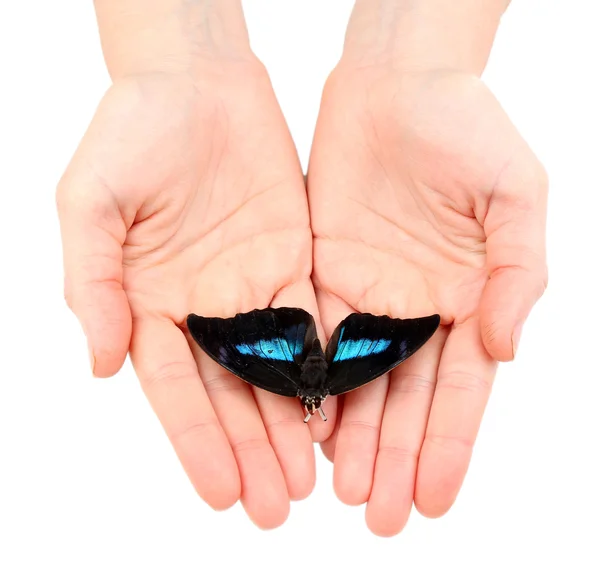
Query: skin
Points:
[448, 208]
[186, 195]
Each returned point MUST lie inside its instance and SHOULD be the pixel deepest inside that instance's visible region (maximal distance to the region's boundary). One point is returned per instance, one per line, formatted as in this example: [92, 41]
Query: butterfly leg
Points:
[309, 414]
[311, 405]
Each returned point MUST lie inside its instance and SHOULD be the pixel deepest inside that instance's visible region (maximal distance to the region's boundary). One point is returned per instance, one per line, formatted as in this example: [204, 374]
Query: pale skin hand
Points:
[424, 199]
[186, 195]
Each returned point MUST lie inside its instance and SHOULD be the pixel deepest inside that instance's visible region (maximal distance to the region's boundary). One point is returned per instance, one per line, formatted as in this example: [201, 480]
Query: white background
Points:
[88, 481]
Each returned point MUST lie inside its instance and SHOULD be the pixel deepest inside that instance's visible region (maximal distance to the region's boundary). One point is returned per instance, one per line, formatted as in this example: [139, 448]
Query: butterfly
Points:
[277, 349]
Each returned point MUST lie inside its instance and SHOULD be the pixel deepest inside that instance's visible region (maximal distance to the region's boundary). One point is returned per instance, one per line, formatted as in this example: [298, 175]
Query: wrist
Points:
[421, 35]
[170, 36]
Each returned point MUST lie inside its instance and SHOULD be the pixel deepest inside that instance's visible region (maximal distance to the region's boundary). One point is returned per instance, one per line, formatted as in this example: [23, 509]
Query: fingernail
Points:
[516, 338]
[92, 358]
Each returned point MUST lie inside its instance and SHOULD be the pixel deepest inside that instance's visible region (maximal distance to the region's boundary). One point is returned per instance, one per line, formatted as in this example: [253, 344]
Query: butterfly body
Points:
[313, 390]
[277, 349]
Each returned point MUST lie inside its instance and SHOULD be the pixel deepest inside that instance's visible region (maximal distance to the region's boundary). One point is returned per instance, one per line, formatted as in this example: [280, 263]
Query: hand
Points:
[188, 197]
[424, 199]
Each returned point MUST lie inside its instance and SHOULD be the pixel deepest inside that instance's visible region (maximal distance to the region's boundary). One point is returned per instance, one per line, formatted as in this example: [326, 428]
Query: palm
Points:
[408, 175]
[212, 218]
[399, 198]
[222, 223]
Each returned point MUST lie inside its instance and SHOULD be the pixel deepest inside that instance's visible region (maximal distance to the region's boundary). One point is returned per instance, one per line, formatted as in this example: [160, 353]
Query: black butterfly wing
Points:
[364, 347]
[265, 348]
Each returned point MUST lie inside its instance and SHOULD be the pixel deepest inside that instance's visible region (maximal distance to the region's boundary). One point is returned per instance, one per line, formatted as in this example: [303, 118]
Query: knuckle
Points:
[197, 429]
[530, 267]
[69, 193]
[283, 422]
[541, 178]
[534, 273]
[450, 442]
[543, 283]
[464, 381]
[524, 204]
[61, 195]
[224, 382]
[252, 444]
[361, 426]
[411, 383]
[400, 455]
[91, 201]
[169, 374]
[536, 269]
[68, 294]
[525, 185]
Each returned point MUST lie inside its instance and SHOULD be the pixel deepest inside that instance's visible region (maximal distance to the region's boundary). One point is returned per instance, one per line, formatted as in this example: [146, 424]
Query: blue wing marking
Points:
[274, 349]
[359, 348]
[294, 338]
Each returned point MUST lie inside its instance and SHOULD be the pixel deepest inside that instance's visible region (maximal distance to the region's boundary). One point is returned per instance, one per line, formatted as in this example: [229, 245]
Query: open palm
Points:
[188, 197]
[424, 199]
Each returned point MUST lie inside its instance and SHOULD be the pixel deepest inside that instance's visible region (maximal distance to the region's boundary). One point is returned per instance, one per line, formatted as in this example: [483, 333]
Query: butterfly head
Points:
[312, 403]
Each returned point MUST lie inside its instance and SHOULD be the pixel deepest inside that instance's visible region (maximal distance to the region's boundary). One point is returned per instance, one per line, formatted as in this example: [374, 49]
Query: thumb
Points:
[93, 233]
[515, 227]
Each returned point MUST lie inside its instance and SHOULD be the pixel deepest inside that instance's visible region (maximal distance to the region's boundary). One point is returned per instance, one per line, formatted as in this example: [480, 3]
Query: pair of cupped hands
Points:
[421, 197]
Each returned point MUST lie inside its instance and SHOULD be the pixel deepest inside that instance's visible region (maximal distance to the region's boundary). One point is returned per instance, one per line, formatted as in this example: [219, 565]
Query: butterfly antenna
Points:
[323, 416]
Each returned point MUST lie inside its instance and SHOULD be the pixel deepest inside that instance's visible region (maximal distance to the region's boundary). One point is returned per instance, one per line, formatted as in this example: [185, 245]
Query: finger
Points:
[407, 407]
[358, 433]
[169, 376]
[93, 233]
[328, 445]
[264, 493]
[283, 417]
[357, 441]
[464, 383]
[515, 226]
[291, 441]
